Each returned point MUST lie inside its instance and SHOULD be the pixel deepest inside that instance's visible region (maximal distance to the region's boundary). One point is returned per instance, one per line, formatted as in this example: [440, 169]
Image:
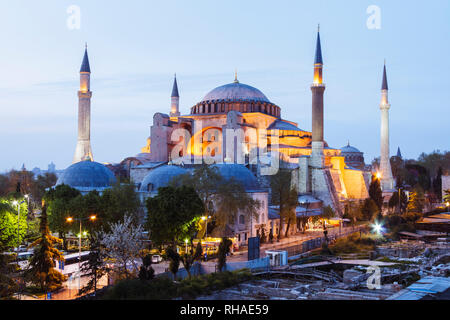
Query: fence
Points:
[316, 243]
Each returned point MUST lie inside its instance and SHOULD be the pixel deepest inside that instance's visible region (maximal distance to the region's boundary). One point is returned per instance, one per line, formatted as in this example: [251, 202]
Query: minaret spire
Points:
[387, 180]
[318, 89]
[235, 76]
[83, 149]
[175, 99]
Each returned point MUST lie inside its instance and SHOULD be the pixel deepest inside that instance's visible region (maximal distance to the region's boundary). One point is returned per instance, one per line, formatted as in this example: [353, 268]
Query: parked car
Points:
[156, 258]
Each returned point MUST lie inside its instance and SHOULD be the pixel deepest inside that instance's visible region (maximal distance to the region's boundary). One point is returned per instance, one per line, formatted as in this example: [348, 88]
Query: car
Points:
[156, 258]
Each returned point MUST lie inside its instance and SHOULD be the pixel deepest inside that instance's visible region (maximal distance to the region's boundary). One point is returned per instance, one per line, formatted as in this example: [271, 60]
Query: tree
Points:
[146, 272]
[285, 197]
[369, 209]
[437, 184]
[174, 261]
[42, 264]
[95, 266]
[352, 211]
[328, 212]
[173, 215]
[119, 201]
[393, 201]
[375, 192]
[61, 205]
[7, 268]
[224, 250]
[188, 259]
[223, 199]
[8, 223]
[416, 201]
[123, 244]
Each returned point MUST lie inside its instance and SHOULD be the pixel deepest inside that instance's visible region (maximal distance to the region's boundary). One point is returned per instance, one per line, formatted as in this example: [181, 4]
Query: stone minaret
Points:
[317, 88]
[175, 100]
[387, 181]
[83, 150]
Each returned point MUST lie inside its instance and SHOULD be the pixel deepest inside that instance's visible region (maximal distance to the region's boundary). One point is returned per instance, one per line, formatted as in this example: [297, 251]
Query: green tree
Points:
[94, 267]
[62, 204]
[352, 211]
[223, 199]
[9, 220]
[416, 201]
[369, 209]
[188, 259]
[393, 201]
[446, 197]
[224, 249]
[173, 215]
[146, 272]
[284, 196]
[375, 192]
[119, 201]
[42, 270]
[174, 261]
[7, 269]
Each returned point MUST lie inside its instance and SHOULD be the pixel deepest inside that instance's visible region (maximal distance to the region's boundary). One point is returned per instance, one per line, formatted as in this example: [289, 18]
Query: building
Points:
[238, 124]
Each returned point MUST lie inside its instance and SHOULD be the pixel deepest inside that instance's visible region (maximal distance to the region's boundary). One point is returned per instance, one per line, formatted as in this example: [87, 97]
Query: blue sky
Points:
[135, 47]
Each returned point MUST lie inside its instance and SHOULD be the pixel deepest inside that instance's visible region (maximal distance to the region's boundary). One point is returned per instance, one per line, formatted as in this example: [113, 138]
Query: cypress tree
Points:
[42, 265]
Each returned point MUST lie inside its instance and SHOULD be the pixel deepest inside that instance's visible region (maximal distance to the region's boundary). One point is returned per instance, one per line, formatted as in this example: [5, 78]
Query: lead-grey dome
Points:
[87, 175]
[236, 91]
[349, 149]
[160, 177]
[240, 174]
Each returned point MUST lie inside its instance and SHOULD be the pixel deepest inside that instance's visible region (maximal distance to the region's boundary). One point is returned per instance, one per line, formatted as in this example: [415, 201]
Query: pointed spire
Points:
[318, 58]
[384, 85]
[235, 76]
[175, 87]
[399, 154]
[85, 64]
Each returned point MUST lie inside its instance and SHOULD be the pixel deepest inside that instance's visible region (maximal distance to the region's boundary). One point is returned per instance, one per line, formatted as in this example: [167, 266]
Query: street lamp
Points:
[16, 203]
[378, 175]
[204, 218]
[186, 242]
[69, 220]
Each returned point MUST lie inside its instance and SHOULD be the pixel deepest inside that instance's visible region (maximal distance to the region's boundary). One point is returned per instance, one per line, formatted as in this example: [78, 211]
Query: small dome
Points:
[349, 149]
[236, 91]
[87, 175]
[240, 173]
[160, 177]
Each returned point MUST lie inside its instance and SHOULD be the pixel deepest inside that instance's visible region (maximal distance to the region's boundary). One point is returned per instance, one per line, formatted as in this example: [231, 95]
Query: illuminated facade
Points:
[260, 135]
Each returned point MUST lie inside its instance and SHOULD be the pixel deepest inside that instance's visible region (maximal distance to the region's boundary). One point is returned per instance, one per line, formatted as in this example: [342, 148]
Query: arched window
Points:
[149, 187]
[241, 219]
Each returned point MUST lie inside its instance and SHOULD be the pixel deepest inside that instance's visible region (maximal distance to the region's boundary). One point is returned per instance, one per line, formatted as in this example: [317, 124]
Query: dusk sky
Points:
[135, 47]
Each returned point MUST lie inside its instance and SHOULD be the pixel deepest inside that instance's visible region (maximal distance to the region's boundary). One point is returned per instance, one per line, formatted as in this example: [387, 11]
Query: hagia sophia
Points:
[260, 138]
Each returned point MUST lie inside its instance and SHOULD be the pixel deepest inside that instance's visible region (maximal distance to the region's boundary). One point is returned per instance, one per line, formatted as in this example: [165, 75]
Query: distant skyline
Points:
[135, 49]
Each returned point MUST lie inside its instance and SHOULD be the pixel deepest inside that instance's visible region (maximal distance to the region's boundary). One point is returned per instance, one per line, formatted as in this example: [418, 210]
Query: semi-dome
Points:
[86, 176]
[240, 174]
[160, 177]
[236, 91]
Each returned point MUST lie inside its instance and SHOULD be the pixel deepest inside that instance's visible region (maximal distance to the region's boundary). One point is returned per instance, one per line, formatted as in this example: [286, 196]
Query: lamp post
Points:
[185, 242]
[16, 203]
[204, 218]
[28, 209]
[70, 219]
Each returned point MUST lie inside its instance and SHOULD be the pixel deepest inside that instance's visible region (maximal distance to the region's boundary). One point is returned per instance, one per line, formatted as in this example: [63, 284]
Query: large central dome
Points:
[236, 91]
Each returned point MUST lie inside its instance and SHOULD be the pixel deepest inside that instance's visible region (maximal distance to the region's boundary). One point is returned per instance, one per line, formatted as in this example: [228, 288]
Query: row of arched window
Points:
[216, 107]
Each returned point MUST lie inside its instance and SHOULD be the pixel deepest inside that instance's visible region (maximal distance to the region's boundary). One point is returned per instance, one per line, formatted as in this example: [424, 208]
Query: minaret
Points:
[83, 150]
[175, 100]
[317, 88]
[387, 181]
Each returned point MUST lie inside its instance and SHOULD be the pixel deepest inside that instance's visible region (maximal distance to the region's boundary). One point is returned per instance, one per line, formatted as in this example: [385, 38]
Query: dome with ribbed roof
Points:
[236, 91]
